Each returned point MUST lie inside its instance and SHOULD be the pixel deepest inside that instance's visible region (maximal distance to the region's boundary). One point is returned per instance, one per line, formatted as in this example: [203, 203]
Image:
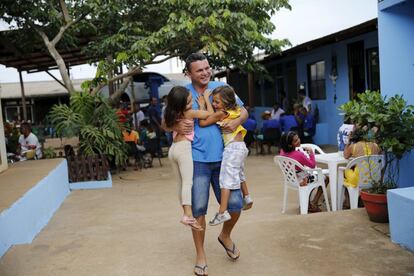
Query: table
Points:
[332, 160]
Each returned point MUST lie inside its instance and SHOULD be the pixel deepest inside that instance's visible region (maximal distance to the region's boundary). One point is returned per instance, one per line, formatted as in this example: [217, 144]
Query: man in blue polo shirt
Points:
[207, 149]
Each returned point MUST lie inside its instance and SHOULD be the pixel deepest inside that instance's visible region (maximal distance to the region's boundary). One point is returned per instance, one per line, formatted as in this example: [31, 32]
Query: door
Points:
[356, 65]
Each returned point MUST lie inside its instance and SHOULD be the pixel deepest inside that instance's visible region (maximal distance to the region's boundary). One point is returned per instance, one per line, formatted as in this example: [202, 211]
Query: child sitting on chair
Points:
[289, 142]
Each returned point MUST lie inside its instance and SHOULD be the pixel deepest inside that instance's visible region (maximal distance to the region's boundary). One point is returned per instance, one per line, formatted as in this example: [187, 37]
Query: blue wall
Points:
[396, 48]
[26, 217]
[329, 118]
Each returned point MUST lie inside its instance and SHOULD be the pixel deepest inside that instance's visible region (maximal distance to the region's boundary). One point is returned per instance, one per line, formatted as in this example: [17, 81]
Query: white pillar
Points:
[3, 155]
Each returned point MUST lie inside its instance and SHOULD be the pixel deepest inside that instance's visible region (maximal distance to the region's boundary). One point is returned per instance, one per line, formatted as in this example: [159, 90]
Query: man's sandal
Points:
[230, 252]
[201, 268]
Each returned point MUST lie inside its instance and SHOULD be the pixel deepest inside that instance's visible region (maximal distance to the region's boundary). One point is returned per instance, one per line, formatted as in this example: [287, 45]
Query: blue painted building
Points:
[351, 55]
[396, 42]
[375, 55]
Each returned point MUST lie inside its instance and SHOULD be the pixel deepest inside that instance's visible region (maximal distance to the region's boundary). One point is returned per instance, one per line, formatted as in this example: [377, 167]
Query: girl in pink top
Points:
[179, 107]
[289, 142]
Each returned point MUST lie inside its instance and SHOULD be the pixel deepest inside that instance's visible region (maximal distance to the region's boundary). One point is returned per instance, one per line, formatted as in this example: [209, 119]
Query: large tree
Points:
[139, 33]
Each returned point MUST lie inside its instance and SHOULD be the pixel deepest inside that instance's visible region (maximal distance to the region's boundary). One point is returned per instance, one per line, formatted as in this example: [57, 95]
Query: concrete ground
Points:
[133, 229]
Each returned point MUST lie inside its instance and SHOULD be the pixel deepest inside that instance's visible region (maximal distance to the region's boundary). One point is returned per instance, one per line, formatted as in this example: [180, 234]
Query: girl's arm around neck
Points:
[213, 118]
[197, 114]
[203, 103]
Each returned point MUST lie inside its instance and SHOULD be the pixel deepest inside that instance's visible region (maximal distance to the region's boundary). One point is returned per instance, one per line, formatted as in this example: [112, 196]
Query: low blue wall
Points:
[400, 210]
[92, 184]
[27, 216]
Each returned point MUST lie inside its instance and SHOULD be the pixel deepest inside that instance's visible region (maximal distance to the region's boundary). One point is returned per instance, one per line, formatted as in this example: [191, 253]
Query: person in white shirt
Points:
[138, 116]
[276, 112]
[28, 141]
[305, 100]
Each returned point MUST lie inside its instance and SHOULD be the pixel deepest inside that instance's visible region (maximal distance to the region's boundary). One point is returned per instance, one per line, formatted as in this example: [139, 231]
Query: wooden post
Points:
[250, 84]
[23, 97]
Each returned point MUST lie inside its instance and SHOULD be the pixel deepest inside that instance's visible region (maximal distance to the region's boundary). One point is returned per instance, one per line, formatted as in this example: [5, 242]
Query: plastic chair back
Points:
[369, 167]
[288, 167]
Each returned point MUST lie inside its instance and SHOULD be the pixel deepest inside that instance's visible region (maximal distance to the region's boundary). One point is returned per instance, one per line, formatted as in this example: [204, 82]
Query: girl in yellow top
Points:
[235, 151]
[357, 147]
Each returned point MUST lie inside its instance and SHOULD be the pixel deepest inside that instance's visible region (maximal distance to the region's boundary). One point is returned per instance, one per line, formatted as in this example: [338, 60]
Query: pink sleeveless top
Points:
[190, 136]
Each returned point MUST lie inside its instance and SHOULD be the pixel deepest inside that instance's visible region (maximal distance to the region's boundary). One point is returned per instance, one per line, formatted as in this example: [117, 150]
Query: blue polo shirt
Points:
[207, 145]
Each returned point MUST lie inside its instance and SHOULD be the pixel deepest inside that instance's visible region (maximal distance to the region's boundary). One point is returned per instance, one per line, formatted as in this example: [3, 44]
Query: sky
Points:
[306, 21]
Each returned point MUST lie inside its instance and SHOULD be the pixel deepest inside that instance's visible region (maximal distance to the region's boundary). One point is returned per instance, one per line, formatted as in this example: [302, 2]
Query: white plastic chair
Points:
[314, 147]
[291, 181]
[369, 167]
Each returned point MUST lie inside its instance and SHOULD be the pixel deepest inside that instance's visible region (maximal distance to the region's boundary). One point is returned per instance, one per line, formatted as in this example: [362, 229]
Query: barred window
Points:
[316, 80]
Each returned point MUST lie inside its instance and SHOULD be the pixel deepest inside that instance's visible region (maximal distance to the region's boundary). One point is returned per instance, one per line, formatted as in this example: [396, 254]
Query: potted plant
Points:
[390, 123]
[95, 122]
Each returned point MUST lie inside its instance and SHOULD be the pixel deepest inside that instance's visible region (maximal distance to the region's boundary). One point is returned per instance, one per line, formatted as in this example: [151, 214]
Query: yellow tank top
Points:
[229, 137]
[359, 149]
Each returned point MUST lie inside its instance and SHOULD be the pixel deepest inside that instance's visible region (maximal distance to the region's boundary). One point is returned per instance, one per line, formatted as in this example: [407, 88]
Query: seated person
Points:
[250, 125]
[308, 125]
[288, 122]
[276, 112]
[131, 138]
[149, 142]
[289, 142]
[358, 146]
[271, 133]
[29, 146]
[123, 112]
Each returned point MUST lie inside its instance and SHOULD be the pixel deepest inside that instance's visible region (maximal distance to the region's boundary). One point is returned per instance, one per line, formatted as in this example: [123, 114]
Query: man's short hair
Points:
[192, 58]
[26, 126]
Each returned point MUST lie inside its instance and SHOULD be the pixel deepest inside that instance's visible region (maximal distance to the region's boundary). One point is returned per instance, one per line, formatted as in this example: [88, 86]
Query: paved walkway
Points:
[133, 229]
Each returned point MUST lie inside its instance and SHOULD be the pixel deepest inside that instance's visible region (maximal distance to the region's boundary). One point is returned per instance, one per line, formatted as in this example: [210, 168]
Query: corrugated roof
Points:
[35, 89]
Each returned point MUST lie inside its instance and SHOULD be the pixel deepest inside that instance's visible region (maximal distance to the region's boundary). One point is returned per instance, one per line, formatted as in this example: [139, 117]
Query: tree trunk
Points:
[62, 68]
[114, 97]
